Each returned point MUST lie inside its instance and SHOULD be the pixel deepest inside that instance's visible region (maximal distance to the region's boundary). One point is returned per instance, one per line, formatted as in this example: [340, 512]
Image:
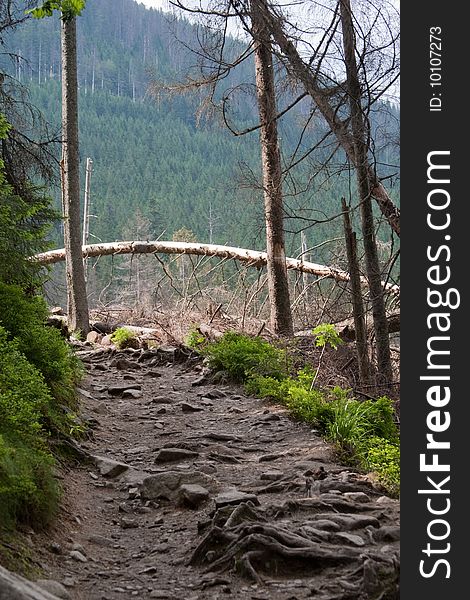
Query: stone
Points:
[232, 497]
[174, 455]
[348, 538]
[110, 468]
[94, 337]
[123, 364]
[101, 540]
[100, 408]
[136, 394]
[192, 495]
[161, 400]
[166, 485]
[107, 341]
[201, 380]
[53, 587]
[128, 523]
[78, 556]
[270, 457]
[15, 587]
[214, 394]
[154, 373]
[357, 497]
[119, 388]
[84, 393]
[187, 407]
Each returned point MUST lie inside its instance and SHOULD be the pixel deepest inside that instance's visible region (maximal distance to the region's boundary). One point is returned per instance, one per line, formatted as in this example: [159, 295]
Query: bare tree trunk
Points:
[278, 284]
[359, 131]
[358, 305]
[77, 303]
[322, 99]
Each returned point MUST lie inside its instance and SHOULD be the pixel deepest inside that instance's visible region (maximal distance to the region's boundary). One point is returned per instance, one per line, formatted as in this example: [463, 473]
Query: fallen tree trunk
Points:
[252, 258]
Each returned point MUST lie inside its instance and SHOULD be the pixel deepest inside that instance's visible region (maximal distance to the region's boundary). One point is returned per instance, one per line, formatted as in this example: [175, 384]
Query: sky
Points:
[155, 3]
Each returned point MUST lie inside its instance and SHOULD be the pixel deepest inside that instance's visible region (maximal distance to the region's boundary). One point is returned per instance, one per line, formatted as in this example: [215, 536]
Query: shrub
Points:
[383, 459]
[28, 492]
[123, 337]
[24, 397]
[24, 321]
[195, 339]
[27, 489]
[242, 356]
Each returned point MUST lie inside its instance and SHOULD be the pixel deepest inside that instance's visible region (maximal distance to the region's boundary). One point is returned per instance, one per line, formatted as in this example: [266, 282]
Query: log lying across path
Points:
[252, 258]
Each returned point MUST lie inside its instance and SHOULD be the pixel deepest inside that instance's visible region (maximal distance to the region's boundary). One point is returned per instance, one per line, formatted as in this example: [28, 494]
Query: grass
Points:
[364, 432]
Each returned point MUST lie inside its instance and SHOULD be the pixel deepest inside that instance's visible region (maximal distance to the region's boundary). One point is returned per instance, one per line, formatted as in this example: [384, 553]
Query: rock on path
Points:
[227, 499]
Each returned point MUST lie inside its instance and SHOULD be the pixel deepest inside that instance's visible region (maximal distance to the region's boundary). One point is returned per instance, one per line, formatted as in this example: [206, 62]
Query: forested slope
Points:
[156, 168]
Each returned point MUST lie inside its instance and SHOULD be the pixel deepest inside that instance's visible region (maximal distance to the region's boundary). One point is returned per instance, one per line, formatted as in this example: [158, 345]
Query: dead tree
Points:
[278, 284]
[357, 300]
[359, 132]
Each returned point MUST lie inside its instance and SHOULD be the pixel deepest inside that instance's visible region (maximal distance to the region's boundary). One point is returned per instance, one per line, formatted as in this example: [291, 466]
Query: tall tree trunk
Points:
[278, 285]
[303, 72]
[77, 303]
[359, 132]
[365, 373]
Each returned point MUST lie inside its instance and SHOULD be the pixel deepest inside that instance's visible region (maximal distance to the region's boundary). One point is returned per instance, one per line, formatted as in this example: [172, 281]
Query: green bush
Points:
[383, 459]
[123, 337]
[242, 356]
[28, 492]
[24, 320]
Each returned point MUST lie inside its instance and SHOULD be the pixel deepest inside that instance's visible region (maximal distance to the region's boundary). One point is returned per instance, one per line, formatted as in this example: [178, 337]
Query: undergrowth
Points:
[363, 431]
[123, 337]
[37, 376]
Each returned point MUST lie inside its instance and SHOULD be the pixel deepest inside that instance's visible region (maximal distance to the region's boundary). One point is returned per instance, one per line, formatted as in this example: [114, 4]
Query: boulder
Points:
[192, 495]
[110, 468]
[167, 484]
[15, 587]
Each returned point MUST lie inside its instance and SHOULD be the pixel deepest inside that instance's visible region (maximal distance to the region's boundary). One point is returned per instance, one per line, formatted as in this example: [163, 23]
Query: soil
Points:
[261, 508]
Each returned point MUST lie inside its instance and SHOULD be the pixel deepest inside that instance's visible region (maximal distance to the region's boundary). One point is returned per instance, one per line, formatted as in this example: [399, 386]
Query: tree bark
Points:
[365, 374]
[278, 284]
[77, 303]
[322, 99]
[252, 258]
[359, 132]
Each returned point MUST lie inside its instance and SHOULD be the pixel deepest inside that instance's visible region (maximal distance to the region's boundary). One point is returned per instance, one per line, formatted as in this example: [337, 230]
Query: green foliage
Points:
[68, 8]
[28, 492]
[195, 339]
[123, 337]
[24, 320]
[364, 432]
[383, 459]
[242, 356]
[326, 334]
[24, 224]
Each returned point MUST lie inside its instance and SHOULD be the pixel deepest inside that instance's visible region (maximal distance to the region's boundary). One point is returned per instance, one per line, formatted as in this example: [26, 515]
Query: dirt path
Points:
[207, 475]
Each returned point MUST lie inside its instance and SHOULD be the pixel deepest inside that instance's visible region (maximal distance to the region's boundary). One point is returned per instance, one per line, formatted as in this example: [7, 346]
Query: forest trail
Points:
[202, 466]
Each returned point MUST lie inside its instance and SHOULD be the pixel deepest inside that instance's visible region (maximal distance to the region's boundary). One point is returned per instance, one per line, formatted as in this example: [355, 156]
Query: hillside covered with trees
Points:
[158, 165]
